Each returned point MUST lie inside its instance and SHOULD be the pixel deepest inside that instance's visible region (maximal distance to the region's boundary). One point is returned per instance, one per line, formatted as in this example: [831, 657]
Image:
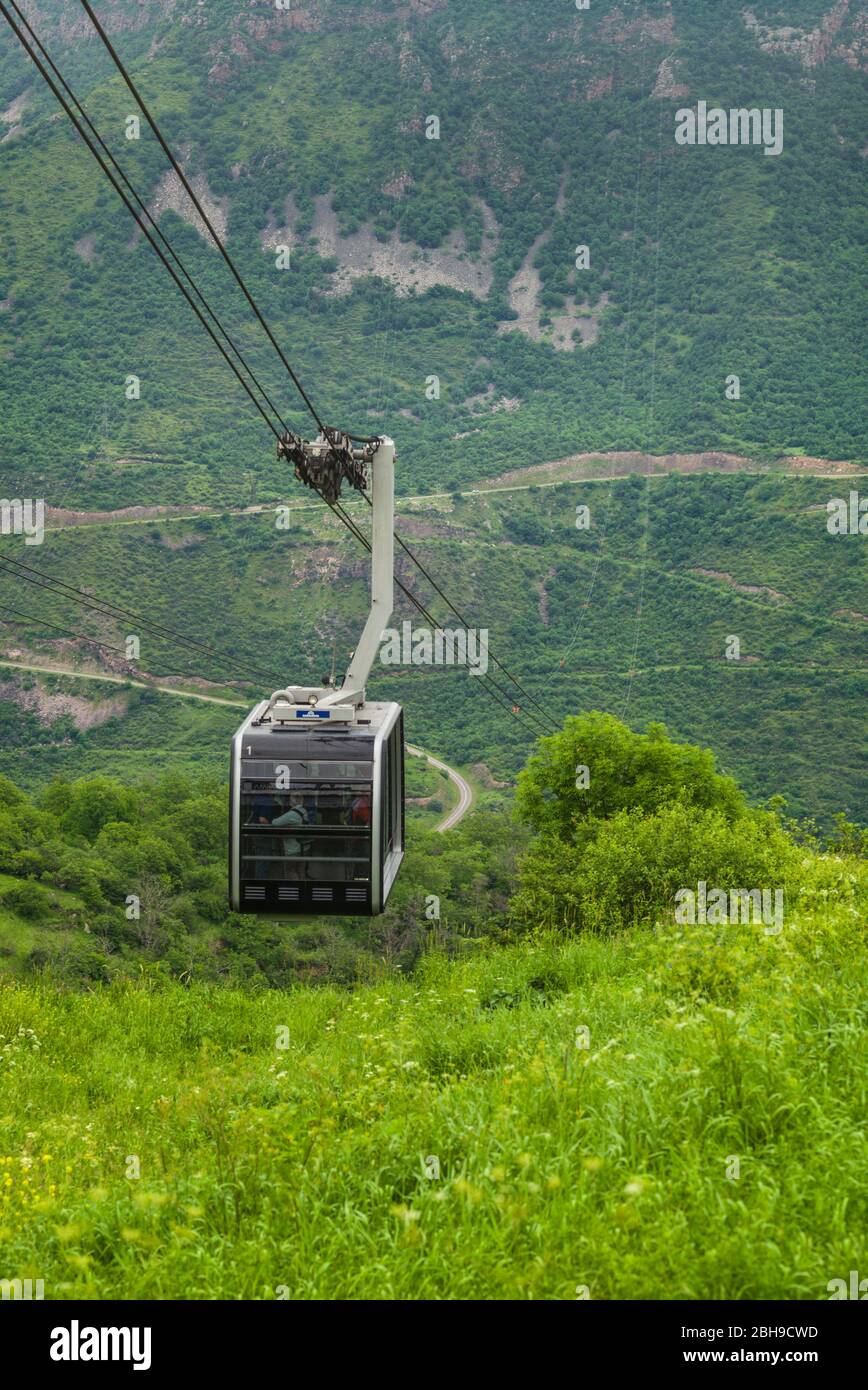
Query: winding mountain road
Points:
[465, 791]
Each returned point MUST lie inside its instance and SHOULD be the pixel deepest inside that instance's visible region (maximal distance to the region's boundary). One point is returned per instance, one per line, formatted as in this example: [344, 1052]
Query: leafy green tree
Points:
[596, 766]
[10, 795]
[92, 803]
[201, 824]
[11, 833]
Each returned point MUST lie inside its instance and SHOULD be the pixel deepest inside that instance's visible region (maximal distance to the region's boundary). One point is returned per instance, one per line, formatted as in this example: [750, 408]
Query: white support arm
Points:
[382, 579]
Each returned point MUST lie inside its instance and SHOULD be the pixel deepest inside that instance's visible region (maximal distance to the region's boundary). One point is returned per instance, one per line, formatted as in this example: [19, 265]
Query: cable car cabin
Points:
[316, 812]
[316, 820]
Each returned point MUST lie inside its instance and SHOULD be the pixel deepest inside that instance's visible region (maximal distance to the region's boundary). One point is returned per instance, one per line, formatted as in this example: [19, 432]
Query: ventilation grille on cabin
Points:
[322, 895]
[357, 895]
[254, 891]
[287, 894]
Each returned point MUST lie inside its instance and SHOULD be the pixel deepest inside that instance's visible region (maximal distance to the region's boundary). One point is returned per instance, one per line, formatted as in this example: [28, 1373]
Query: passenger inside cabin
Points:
[296, 815]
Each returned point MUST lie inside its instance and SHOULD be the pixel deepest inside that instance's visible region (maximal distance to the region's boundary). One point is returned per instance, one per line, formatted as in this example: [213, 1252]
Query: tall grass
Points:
[450, 1136]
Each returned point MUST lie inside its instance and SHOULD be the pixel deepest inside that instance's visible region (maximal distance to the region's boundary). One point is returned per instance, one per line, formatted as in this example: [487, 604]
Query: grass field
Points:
[451, 1136]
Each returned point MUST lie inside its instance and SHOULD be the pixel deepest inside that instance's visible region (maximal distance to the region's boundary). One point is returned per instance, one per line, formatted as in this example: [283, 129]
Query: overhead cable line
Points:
[511, 707]
[417, 603]
[451, 606]
[134, 91]
[34, 38]
[136, 94]
[122, 195]
[114, 611]
[43, 622]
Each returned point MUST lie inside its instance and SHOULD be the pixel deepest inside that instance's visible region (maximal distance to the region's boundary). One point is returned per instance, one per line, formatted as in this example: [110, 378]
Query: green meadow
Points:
[456, 1135]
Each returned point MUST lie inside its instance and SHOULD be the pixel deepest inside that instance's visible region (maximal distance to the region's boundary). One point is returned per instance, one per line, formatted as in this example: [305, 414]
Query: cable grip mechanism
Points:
[328, 461]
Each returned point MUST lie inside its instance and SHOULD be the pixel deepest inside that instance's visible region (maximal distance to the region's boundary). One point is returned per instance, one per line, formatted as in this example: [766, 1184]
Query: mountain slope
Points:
[432, 290]
[633, 615]
[556, 130]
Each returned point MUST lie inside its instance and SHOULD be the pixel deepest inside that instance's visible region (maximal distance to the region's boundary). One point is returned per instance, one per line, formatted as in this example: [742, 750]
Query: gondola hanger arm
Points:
[324, 464]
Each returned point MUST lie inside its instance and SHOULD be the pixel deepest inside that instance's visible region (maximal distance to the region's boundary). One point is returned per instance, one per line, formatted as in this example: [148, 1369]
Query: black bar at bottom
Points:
[60, 1339]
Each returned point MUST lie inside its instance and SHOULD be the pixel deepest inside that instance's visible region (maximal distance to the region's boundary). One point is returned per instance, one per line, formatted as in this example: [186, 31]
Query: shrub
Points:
[28, 863]
[630, 872]
[28, 900]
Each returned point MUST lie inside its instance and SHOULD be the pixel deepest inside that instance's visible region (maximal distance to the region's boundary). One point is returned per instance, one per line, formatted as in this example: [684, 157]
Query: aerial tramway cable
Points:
[136, 94]
[128, 204]
[134, 91]
[451, 606]
[505, 702]
[510, 706]
[68, 632]
[110, 610]
[145, 210]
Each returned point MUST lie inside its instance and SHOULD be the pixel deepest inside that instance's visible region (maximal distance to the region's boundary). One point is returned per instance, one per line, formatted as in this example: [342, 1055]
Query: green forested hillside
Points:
[556, 130]
[72, 856]
[451, 258]
[565, 1091]
[709, 557]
